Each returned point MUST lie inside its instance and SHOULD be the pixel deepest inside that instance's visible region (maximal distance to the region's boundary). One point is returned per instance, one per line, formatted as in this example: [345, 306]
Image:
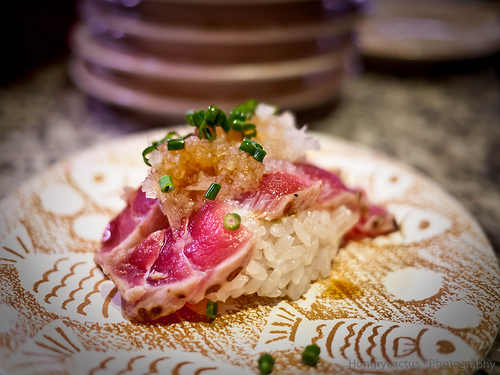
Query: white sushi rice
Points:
[290, 253]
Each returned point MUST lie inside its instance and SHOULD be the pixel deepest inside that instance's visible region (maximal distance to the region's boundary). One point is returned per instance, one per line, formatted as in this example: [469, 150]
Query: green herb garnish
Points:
[207, 120]
[166, 184]
[146, 152]
[232, 221]
[259, 155]
[212, 191]
[266, 363]
[171, 136]
[207, 131]
[310, 355]
[175, 144]
[211, 309]
[253, 148]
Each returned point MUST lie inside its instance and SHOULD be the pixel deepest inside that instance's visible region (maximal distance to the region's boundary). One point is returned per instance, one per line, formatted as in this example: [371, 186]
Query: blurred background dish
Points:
[171, 55]
[430, 31]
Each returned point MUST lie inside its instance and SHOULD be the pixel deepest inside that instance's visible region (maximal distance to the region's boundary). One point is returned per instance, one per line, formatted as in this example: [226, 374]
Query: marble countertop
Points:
[448, 127]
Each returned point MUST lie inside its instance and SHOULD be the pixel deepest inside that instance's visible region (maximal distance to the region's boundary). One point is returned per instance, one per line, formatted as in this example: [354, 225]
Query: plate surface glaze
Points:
[424, 300]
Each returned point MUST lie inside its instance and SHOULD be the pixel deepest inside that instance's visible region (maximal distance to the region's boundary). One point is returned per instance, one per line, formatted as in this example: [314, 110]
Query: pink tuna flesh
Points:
[134, 223]
[162, 273]
[374, 220]
[158, 270]
[333, 192]
[281, 194]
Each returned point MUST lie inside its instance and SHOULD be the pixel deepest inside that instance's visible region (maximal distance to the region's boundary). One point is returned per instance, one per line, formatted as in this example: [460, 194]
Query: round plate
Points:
[425, 299]
[431, 31]
[135, 98]
[90, 49]
[99, 20]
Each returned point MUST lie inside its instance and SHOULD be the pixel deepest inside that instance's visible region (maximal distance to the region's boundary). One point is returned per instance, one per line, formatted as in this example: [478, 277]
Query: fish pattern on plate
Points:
[424, 300]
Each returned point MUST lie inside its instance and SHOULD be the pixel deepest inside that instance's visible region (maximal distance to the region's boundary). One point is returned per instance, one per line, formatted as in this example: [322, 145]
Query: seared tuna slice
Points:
[374, 220]
[281, 193]
[141, 217]
[333, 192]
[158, 269]
[166, 270]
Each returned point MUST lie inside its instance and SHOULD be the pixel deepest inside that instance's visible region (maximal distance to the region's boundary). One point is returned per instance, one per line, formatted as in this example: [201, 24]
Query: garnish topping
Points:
[175, 144]
[146, 152]
[266, 363]
[211, 309]
[212, 191]
[232, 221]
[169, 137]
[310, 355]
[166, 184]
[253, 148]
[207, 120]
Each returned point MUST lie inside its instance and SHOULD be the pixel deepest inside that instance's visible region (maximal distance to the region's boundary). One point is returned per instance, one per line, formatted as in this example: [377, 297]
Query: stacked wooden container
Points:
[165, 57]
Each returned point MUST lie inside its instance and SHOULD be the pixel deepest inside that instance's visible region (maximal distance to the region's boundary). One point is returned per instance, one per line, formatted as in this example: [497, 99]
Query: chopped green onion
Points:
[212, 191]
[207, 132]
[222, 121]
[253, 148]
[236, 115]
[232, 221]
[171, 135]
[259, 155]
[146, 152]
[195, 118]
[211, 114]
[252, 104]
[190, 117]
[238, 125]
[175, 144]
[214, 116]
[310, 355]
[249, 130]
[166, 184]
[248, 146]
[266, 363]
[211, 309]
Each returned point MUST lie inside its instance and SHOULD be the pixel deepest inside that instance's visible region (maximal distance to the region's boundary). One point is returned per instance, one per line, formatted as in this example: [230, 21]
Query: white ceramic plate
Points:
[425, 299]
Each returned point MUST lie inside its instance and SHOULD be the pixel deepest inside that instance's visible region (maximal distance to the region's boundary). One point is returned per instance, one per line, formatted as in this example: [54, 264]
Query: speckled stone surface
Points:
[448, 127]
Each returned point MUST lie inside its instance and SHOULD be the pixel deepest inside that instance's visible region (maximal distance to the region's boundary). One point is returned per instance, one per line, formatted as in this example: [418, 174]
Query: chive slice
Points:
[146, 152]
[248, 146]
[175, 144]
[236, 115]
[222, 121]
[195, 118]
[238, 125]
[249, 130]
[211, 114]
[166, 184]
[190, 117]
[212, 191]
[171, 135]
[211, 309]
[207, 132]
[310, 355]
[259, 155]
[253, 148]
[232, 221]
[266, 363]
